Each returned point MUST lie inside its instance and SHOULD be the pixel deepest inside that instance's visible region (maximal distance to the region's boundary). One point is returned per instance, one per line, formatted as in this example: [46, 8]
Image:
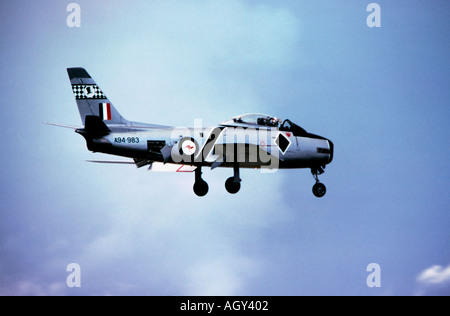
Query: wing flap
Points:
[170, 167]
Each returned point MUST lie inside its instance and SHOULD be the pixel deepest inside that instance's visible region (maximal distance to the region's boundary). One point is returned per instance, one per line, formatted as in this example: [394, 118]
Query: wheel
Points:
[319, 190]
[201, 188]
[231, 186]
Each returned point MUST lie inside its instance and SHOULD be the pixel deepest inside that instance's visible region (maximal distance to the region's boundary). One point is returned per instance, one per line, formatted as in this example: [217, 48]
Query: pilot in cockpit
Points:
[269, 121]
[274, 122]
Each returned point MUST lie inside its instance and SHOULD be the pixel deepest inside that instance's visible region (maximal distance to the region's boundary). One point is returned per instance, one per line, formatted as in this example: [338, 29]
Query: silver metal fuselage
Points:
[224, 146]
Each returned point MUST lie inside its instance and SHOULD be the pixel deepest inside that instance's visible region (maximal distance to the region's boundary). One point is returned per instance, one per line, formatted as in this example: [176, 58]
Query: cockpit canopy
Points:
[257, 119]
[267, 121]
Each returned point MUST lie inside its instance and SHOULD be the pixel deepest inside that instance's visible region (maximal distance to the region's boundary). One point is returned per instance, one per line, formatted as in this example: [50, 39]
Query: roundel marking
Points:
[188, 147]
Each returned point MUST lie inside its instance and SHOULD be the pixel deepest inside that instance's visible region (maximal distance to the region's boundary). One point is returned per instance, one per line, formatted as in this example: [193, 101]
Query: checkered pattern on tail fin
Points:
[87, 92]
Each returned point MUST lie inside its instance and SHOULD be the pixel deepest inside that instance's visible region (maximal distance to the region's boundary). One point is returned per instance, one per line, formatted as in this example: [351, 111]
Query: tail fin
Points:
[90, 99]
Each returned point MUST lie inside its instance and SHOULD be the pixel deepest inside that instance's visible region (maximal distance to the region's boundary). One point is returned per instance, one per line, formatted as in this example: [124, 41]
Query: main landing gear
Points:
[233, 184]
[201, 188]
[319, 189]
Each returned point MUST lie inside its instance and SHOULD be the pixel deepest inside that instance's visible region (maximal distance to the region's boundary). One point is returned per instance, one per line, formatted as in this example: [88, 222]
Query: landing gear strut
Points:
[201, 188]
[319, 189]
[233, 184]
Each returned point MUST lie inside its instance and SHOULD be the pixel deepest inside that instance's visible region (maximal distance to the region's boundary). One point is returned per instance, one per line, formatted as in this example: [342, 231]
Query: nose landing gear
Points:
[319, 189]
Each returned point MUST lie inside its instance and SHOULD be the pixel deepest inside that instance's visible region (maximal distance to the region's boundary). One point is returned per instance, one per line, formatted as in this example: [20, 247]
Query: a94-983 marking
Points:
[126, 140]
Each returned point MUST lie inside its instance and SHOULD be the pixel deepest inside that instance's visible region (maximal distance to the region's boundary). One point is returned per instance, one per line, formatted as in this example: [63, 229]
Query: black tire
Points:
[231, 186]
[319, 190]
[201, 188]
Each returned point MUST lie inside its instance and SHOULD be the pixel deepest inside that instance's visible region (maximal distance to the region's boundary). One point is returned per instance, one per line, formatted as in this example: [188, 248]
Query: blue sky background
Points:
[381, 95]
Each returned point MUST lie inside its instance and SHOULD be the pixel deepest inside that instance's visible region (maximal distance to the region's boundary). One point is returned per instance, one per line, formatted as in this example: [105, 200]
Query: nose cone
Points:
[331, 150]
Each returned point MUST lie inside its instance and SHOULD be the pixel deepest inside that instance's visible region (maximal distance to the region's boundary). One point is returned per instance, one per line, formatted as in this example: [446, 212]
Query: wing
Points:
[153, 166]
[247, 156]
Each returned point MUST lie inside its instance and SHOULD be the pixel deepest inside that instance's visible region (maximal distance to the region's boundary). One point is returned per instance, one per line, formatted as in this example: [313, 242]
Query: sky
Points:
[380, 94]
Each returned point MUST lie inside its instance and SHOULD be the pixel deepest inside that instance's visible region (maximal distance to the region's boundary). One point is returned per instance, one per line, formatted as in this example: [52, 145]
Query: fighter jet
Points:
[256, 141]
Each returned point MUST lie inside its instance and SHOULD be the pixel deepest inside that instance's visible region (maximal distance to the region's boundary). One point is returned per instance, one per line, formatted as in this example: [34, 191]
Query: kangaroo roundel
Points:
[189, 148]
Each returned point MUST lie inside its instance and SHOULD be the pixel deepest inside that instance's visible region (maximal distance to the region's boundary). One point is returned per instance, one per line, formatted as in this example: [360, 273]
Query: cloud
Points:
[203, 247]
[223, 275]
[134, 232]
[207, 57]
[436, 275]
[33, 288]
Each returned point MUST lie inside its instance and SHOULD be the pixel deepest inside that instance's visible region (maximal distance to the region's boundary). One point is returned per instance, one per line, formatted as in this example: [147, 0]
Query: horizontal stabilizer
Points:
[112, 162]
[62, 125]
